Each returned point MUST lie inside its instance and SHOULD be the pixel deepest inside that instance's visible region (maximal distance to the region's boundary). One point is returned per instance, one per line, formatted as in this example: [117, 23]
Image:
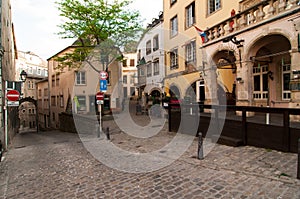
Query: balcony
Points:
[261, 13]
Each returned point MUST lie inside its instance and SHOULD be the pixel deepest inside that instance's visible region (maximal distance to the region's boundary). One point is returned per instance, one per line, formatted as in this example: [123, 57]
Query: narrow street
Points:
[56, 164]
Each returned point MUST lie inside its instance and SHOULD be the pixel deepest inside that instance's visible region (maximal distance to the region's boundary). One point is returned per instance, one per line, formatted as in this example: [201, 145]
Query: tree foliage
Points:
[102, 29]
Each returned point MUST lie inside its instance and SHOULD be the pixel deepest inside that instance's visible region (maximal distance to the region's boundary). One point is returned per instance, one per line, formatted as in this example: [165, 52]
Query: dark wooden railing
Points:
[243, 125]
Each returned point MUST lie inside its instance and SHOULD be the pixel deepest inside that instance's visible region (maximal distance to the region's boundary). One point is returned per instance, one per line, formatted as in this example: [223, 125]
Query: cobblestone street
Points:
[57, 165]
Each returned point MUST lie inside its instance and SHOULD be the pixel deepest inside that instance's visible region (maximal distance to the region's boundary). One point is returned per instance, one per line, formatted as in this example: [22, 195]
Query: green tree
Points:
[102, 29]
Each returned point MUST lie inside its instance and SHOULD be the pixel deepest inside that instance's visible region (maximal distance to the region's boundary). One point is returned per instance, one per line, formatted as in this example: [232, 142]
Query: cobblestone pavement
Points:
[56, 164]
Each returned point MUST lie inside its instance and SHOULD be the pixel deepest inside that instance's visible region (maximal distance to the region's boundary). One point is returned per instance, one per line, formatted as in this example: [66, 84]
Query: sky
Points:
[35, 23]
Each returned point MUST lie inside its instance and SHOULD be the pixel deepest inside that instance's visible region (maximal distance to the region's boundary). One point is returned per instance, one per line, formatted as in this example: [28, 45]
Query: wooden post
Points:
[286, 133]
[298, 170]
[244, 126]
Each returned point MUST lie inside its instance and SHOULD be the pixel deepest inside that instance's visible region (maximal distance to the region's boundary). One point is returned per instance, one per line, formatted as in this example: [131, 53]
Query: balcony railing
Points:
[258, 14]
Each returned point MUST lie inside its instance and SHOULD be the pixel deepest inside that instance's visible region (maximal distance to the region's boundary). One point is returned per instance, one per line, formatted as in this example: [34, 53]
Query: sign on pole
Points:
[100, 96]
[103, 85]
[13, 95]
[103, 75]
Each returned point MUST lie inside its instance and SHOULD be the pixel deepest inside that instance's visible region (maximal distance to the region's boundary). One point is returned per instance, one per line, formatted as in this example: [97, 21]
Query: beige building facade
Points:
[248, 51]
[74, 90]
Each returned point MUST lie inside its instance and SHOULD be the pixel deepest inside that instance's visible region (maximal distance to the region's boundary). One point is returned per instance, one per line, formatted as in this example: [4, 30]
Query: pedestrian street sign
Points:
[103, 85]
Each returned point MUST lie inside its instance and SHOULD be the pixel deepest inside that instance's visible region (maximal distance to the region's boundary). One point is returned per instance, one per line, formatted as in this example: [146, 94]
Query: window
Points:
[190, 15]
[141, 71]
[57, 81]
[40, 92]
[174, 26]
[80, 78]
[124, 79]
[213, 5]
[125, 63]
[132, 62]
[81, 103]
[53, 100]
[172, 2]
[61, 99]
[149, 69]
[174, 59]
[260, 80]
[39, 71]
[286, 77]
[148, 47]
[156, 67]
[45, 92]
[155, 43]
[190, 52]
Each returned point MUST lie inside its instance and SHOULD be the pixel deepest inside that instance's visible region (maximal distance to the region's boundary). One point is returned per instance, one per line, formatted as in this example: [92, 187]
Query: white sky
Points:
[36, 21]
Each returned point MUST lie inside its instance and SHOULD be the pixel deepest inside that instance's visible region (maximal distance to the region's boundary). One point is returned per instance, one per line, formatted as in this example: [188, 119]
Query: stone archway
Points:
[226, 70]
[28, 113]
[271, 71]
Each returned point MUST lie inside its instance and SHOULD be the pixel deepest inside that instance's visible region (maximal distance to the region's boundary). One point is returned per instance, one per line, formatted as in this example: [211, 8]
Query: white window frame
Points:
[155, 43]
[190, 18]
[174, 59]
[213, 6]
[156, 67]
[80, 78]
[286, 69]
[174, 26]
[190, 52]
[149, 69]
[260, 71]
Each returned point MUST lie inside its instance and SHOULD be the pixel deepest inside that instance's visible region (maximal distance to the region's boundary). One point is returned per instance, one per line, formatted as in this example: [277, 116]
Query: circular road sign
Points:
[13, 95]
[100, 96]
[103, 75]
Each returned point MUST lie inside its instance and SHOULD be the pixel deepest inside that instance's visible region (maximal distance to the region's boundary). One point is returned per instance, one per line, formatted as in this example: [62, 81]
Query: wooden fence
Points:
[250, 128]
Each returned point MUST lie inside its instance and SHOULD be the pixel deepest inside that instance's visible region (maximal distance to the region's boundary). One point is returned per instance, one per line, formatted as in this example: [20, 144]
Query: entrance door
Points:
[92, 106]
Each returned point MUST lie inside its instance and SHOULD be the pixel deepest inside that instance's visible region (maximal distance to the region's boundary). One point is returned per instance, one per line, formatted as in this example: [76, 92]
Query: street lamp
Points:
[23, 76]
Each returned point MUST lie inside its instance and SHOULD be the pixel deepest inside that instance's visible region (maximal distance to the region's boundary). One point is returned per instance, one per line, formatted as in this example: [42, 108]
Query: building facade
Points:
[9, 123]
[129, 75]
[151, 62]
[36, 69]
[244, 51]
[73, 90]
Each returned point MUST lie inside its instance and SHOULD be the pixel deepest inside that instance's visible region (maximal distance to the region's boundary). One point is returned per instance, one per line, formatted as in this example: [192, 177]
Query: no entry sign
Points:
[100, 96]
[13, 95]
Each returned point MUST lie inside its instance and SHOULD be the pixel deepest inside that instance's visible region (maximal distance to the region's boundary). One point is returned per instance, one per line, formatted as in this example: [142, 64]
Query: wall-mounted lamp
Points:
[23, 76]
[233, 39]
[270, 75]
[238, 43]
[296, 74]
[239, 80]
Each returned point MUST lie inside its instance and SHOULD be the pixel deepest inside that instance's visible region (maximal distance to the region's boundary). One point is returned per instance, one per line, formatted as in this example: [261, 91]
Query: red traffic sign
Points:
[103, 75]
[13, 95]
[100, 96]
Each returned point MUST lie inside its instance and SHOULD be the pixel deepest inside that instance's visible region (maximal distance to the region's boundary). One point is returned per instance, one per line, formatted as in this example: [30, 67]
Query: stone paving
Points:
[56, 164]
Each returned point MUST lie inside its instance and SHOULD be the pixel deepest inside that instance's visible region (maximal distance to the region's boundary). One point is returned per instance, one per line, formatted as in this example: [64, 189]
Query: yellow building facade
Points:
[246, 52]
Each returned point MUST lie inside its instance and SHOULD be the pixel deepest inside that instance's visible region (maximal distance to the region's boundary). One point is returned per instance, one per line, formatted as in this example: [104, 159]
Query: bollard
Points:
[107, 133]
[298, 171]
[98, 131]
[200, 146]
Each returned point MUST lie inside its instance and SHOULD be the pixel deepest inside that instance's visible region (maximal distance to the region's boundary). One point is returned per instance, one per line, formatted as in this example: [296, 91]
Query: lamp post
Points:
[23, 77]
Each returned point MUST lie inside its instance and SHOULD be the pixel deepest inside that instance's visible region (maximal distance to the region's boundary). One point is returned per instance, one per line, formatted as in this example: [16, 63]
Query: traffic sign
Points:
[100, 96]
[103, 85]
[13, 95]
[103, 75]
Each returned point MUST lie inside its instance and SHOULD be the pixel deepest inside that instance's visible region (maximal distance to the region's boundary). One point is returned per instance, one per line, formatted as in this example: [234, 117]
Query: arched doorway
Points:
[271, 72]
[28, 114]
[226, 75]
[190, 95]
[174, 92]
